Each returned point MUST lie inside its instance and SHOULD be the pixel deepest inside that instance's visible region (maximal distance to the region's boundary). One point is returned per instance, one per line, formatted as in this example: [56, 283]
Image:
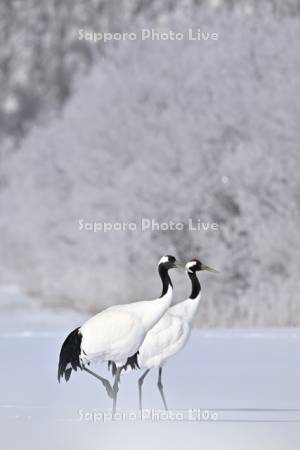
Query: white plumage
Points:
[172, 331]
[169, 335]
[116, 333]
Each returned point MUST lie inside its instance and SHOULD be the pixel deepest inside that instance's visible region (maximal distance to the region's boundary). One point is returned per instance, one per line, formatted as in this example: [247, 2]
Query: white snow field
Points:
[227, 390]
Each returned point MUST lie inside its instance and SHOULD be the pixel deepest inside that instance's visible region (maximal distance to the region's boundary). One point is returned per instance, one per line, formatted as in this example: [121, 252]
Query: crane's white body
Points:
[119, 331]
[169, 335]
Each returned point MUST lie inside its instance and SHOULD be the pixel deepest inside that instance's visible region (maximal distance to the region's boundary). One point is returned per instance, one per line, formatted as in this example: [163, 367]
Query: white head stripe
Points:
[164, 259]
[190, 264]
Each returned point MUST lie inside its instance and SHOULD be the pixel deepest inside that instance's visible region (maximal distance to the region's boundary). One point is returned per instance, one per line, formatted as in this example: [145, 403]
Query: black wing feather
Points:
[132, 361]
[69, 354]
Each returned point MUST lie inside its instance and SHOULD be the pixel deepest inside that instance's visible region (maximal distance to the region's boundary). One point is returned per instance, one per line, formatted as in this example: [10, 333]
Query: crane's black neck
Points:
[196, 287]
[165, 279]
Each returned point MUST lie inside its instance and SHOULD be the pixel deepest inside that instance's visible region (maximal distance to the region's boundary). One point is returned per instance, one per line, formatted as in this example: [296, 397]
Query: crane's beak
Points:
[209, 269]
[179, 265]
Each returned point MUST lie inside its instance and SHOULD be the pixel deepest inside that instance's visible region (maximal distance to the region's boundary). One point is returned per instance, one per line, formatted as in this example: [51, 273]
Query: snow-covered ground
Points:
[226, 390]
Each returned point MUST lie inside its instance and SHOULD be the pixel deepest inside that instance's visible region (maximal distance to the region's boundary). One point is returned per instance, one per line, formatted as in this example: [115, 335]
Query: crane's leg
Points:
[140, 381]
[104, 381]
[161, 388]
[116, 389]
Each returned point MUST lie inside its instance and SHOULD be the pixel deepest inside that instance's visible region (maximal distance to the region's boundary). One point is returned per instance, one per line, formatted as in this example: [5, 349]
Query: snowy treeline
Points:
[163, 130]
[40, 54]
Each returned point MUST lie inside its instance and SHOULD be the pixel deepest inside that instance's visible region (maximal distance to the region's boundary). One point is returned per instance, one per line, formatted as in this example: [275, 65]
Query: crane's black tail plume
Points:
[132, 362]
[69, 355]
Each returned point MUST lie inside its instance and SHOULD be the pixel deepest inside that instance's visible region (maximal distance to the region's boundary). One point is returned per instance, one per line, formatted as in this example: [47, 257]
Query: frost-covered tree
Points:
[170, 131]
